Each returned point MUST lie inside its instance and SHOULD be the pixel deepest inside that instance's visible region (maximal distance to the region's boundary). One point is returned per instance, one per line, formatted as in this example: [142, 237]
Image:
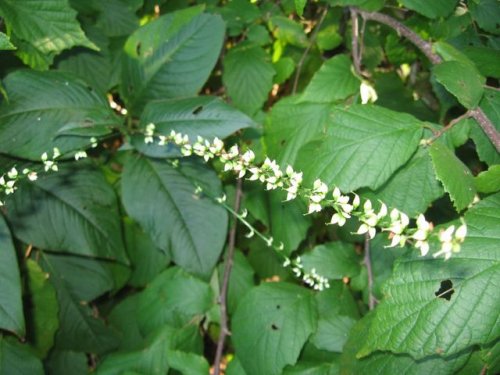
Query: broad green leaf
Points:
[337, 314]
[79, 328]
[271, 325]
[170, 57]
[284, 68]
[332, 82]
[79, 210]
[370, 5]
[49, 26]
[43, 309]
[288, 225]
[18, 359]
[329, 38]
[486, 13]
[382, 363]
[490, 104]
[365, 146]
[299, 6]
[173, 298]
[488, 181]
[258, 34]
[203, 116]
[457, 179]
[413, 187]
[151, 358]
[237, 14]
[188, 363]
[462, 80]
[5, 43]
[123, 319]
[290, 125]
[234, 367]
[288, 31]
[95, 68]
[333, 260]
[435, 9]
[66, 362]
[312, 368]
[116, 18]
[416, 318]
[47, 110]
[189, 225]
[146, 258]
[74, 269]
[11, 305]
[248, 76]
[486, 60]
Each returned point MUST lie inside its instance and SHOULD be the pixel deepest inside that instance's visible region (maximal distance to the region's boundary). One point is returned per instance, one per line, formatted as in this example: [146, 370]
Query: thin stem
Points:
[306, 52]
[369, 270]
[356, 53]
[450, 125]
[426, 48]
[225, 283]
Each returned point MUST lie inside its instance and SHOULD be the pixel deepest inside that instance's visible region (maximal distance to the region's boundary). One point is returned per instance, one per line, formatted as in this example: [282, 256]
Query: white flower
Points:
[80, 155]
[314, 207]
[12, 174]
[461, 232]
[339, 219]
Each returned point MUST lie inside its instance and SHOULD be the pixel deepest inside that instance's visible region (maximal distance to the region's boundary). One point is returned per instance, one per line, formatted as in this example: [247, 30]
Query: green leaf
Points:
[284, 68]
[333, 260]
[248, 76]
[490, 104]
[462, 80]
[123, 319]
[413, 187]
[47, 110]
[78, 209]
[116, 18]
[43, 309]
[17, 359]
[338, 312]
[288, 31]
[203, 116]
[170, 57]
[365, 146]
[434, 9]
[271, 325]
[146, 258]
[97, 275]
[457, 179]
[173, 298]
[11, 305]
[486, 13]
[66, 362]
[334, 81]
[329, 38]
[191, 226]
[188, 363]
[288, 225]
[485, 59]
[79, 329]
[381, 363]
[299, 6]
[5, 43]
[370, 5]
[290, 125]
[488, 181]
[416, 319]
[49, 26]
[95, 68]
[151, 358]
[238, 14]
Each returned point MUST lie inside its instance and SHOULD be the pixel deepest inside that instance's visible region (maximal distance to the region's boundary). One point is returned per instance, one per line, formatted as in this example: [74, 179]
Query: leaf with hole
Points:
[263, 342]
[432, 306]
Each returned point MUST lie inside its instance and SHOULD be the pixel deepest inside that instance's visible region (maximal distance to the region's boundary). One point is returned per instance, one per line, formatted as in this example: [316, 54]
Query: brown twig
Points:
[308, 48]
[224, 331]
[451, 124]
[368, 263]
[426, 48]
